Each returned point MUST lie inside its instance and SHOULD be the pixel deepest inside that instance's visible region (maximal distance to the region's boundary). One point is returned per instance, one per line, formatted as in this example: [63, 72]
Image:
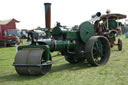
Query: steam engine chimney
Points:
[47, 15]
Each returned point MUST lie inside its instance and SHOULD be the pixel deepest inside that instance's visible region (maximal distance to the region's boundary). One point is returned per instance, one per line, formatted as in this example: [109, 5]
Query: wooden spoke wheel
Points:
[119, 44]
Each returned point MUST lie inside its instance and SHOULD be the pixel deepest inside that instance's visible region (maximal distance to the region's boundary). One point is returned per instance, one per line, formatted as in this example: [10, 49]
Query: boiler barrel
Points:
[58, 45]
[63, 45]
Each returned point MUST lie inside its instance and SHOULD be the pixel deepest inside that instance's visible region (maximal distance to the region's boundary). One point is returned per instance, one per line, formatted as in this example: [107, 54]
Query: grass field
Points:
[115, 72]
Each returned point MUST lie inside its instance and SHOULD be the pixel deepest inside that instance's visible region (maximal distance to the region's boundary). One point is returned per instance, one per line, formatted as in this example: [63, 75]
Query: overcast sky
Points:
[68, 12]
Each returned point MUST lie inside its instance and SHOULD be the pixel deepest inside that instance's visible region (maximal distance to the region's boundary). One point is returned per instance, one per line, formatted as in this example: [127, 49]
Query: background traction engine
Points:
[75, 44]
[108, 25]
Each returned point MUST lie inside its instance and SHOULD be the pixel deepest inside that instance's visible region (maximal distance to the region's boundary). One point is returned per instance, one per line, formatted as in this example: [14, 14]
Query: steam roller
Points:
[77, 44]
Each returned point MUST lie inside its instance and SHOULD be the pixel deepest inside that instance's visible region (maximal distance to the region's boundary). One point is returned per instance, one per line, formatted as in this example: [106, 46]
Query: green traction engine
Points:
[76, 44]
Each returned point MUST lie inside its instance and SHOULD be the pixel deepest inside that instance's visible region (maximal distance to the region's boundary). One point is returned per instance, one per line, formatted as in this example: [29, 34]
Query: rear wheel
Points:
[97, 50]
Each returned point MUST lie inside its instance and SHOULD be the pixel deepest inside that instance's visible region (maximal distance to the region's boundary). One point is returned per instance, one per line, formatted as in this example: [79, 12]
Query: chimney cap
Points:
[47, 3]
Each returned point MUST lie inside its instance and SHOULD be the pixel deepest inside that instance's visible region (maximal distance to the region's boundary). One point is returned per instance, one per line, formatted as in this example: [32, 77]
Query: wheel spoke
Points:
[98, 51]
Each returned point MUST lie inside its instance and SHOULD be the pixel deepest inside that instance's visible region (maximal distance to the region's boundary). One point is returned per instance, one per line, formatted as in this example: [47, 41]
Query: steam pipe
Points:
[47, 15]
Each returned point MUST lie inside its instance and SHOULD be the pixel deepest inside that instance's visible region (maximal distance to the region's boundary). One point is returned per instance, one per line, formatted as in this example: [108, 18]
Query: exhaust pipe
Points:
[48, 15]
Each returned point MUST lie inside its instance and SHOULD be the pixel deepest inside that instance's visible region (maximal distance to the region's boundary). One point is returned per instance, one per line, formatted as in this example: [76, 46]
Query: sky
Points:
[30, 13]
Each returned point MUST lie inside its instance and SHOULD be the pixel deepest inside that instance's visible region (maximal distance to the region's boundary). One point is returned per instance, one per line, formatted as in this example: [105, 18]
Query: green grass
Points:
[115, 72]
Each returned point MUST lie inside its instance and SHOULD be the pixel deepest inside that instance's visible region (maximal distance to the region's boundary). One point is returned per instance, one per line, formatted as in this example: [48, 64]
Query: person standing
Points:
[31, 37]
[17, 42]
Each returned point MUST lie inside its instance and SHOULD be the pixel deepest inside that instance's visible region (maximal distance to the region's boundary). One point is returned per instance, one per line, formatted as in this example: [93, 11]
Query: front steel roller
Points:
[29, 62]
[97, 50]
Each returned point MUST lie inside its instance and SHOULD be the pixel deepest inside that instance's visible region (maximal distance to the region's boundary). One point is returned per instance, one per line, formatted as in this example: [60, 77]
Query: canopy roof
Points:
[113, 16]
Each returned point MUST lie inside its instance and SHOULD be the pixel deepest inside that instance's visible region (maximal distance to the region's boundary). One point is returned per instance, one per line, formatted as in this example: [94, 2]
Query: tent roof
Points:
[3, 22]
